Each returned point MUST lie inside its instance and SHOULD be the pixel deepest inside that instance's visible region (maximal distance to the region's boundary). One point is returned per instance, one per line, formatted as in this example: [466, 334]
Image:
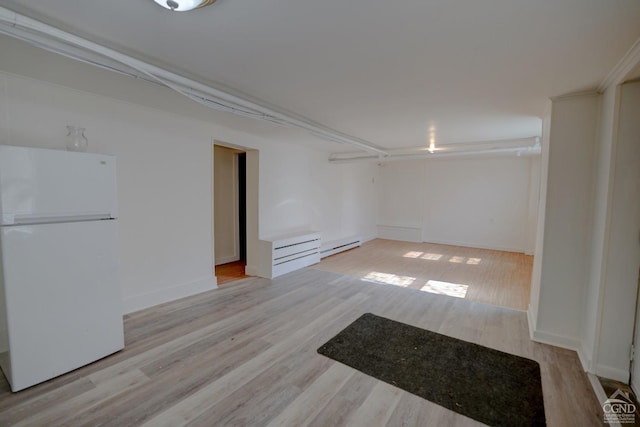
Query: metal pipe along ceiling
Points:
[60, 42]
[54, 40]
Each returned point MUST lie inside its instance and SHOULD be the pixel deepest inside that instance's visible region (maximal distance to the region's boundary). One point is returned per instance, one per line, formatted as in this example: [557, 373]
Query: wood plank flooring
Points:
[245, 355]
[493, 277]
[230, 272]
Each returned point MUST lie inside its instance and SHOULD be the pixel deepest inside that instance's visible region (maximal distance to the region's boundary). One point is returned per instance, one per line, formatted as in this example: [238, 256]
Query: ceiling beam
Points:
[622, 69]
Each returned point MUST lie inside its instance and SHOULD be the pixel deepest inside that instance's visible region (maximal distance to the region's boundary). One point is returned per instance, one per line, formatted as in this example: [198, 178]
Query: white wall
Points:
[622, 257]
[485, 202]
[164, 187]
[565, 256]
[301, 191]
[165, 168]
[401, 199]
[585, 276]
[594, 292]
[350, 188]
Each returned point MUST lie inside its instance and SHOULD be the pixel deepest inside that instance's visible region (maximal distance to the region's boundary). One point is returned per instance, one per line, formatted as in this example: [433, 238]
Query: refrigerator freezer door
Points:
[40, 185]
[62, 297]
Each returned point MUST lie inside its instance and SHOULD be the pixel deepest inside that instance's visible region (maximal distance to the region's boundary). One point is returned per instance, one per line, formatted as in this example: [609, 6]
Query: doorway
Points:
[230, 213]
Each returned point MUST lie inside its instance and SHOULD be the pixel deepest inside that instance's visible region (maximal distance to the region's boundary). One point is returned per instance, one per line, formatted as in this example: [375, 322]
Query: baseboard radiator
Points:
[283, 254]
[341, 245]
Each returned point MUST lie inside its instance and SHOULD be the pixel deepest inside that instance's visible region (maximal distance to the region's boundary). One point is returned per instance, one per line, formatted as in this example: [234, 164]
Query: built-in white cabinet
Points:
[282, 254]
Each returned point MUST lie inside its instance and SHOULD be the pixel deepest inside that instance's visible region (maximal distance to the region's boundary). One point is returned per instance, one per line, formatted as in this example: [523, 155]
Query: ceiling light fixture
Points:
[432, 139]
[183, 5]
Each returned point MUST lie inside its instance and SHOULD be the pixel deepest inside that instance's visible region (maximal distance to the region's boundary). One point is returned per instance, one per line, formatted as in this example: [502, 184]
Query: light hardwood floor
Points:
[231, 272]
[489, 276]
[245, 355]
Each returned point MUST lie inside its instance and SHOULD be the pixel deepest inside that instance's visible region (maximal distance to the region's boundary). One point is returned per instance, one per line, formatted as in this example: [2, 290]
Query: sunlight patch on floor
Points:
[433, 286]
[413, 254]
[446, 288]
[423, 255]
[437, 257]
[389, 279]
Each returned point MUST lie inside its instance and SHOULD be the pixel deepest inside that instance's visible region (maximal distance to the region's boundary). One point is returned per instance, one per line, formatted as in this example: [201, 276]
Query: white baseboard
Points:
[584, 360]
[369, 238]
[556, 340]
[227, 259]
[340, 245]
[251, 270]
[531, 319]
[612, 373]
[575, 345]
[160, 296]
[601, 395]
[405, 234]
[476, 245]
[550, 338]
[414, 234]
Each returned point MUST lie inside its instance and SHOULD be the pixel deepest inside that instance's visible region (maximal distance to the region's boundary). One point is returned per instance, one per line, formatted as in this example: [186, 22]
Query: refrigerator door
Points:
[39, 185]
[62, 298]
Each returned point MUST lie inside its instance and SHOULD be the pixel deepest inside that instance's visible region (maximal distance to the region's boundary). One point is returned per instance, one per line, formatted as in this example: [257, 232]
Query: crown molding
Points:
[622, 69]
[580, 94]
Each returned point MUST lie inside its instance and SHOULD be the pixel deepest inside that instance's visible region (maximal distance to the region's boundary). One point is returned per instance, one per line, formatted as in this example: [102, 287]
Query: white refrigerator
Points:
[60, 297]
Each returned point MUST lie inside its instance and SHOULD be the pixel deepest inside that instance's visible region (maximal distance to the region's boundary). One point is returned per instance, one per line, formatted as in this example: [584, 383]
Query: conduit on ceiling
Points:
[519, 147]
[66, 44]
[54, 40]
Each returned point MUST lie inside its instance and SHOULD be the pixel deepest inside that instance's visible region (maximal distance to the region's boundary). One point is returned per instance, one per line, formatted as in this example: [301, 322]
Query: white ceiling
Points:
[383, 71]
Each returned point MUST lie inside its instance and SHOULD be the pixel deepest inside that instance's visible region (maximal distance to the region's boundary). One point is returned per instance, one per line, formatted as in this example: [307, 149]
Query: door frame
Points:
[252, 175]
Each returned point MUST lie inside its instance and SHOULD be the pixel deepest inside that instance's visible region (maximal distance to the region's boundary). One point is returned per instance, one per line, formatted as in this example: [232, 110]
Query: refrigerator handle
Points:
[13, 219]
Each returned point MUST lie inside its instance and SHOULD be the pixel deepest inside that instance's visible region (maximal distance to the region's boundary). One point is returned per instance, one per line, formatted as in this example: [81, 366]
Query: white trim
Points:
[401, 233]
[597, 388]
[476, 245]
[612, 373]
[369, 238]
[622, 68]
[160, 296]
[531, 320]
[607, 235]
[556, 340]
[584, 359]
[600, 393]
[579, 94]
[340, 245]
[414, 234]
[234, 253]
[634, 388]
[251, 270]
